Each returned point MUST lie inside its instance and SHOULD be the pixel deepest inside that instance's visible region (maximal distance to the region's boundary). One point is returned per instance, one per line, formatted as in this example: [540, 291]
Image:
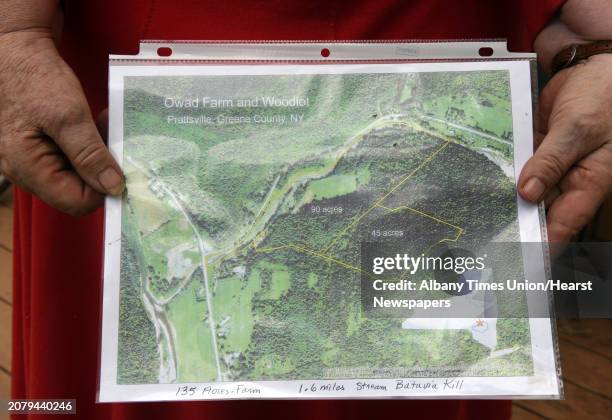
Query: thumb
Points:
[77, 136]
[552, 160]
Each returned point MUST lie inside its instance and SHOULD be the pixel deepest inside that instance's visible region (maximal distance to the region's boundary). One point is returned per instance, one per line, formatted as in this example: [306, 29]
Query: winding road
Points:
[204, 251]
[464, 128]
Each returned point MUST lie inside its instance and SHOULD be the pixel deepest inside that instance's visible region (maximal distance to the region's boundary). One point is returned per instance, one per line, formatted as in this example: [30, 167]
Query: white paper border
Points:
[544, 381]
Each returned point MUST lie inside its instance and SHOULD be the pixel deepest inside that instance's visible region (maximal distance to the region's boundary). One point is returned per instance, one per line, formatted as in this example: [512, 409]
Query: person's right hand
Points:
[49, 144]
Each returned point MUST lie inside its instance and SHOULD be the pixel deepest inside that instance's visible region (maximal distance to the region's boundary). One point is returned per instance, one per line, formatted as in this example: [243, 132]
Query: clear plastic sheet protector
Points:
[256, 172]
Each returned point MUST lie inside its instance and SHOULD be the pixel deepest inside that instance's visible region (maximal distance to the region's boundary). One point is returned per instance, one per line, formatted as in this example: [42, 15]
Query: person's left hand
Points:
[571, 169]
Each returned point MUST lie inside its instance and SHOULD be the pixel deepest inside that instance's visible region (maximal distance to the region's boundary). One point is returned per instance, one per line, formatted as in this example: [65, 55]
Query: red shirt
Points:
[57, 258]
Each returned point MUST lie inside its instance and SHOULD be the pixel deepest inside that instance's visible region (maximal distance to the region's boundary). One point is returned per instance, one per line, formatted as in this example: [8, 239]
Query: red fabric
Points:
[57, 258]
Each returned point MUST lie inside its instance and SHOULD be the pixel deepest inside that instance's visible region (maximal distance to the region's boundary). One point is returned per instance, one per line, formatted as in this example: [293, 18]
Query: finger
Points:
[570, 212]
[583, 190]
[553, 158]
[77, 136]
[551, 196]
[41, 168]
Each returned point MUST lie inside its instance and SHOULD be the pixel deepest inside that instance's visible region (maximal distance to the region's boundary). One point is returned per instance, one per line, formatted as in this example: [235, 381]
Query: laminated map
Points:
[233, 261]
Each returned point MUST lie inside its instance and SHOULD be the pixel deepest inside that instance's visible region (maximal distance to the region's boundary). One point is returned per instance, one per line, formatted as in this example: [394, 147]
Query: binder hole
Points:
[164, 51]
[485, 52]
[325, 52]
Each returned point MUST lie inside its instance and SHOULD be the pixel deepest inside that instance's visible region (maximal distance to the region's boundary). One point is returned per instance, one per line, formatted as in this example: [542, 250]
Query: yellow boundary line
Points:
[455, 239]
[420, 213]
[353, 140]
[384, 197]
[316, 254]
[321, 253]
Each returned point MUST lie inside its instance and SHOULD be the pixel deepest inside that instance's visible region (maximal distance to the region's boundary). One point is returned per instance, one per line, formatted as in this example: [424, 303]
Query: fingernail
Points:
[111, 181]
[533, 189]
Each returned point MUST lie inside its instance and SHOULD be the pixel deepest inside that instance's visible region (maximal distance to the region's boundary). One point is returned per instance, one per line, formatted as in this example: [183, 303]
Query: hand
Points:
[49, 144]
[571, 169]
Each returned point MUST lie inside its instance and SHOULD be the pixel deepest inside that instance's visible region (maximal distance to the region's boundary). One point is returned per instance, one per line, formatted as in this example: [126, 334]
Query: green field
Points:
[333, 186]
[187, 315]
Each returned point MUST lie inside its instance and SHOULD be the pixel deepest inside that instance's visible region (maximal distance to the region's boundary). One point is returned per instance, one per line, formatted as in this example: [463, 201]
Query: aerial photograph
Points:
[249, 198]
